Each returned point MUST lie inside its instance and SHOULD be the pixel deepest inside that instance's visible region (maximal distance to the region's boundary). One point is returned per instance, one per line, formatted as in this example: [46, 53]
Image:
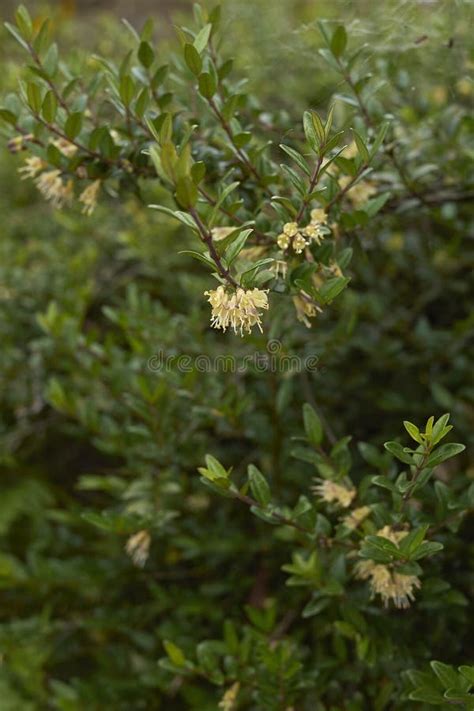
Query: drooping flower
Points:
[392, 535]
[239, 309]
[330, 491]
[227, 703]
[52, 187]
[280, 268]
[305, 308]
[138, 547]
[359, 193]
[314, 232]
[290, 229]
[33, 166]
[283, 241]
[299, 243]
[386, 582]
[18, 143]
[355, 517]
[67, 148]
[319, 216]
[88, 197]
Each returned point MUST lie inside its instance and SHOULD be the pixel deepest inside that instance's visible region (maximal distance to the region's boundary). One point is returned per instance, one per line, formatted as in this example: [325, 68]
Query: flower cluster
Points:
[138, 547]
[299, 237]
[228, 701]
[355, 517]
[329, 491]
[53, 186]
[54, 189]
[240, 308]
[360, 192]
[385, 580]
[88, 197]
[305, 308]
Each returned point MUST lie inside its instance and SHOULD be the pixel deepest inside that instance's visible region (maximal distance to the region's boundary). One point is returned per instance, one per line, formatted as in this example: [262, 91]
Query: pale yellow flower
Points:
[33, 166]
[290, 229]
[334, 268]
[354, 518]
[52, 187]
[330, 491]
[18, 143]
[239, 309]
[227, 703]
[138, 547]
[88, 197]
[359, 193]
[314, 232]
[319, 216]
[280, 268]
[305, 308]
[386, 582]
[283, 241]
[391, 534]
[67, 148]
[299, 243]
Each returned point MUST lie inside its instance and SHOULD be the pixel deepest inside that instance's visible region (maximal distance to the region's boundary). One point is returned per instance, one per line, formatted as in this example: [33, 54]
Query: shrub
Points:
[331, 246]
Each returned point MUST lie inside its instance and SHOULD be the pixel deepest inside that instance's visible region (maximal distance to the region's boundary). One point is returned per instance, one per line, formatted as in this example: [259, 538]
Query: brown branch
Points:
[206, 237]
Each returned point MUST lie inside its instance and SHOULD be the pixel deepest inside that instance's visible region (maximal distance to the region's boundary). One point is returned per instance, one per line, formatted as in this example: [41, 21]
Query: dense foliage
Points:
[194, 519]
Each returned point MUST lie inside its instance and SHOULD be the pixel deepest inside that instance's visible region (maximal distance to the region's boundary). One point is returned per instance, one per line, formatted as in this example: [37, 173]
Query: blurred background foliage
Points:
[86, 426]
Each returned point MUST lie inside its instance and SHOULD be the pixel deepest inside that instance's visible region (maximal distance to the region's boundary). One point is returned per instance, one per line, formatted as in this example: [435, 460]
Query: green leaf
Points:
[14, 32]
[33, 94]
[339, 41]
[259, 486]
[142, 102]
[23, 21]
[439, 428]
[198, 171]
[49, 107]
[411, 542]
[73, 125]
[396, 449]
[174, 653]
[446, 451]
[413, 431]
[361, 147]
[8, 117]
[425, 549]
[312, 425]
[445, 673]
[297, 157]
[379, 549]
[429, 696]
[379, 139]
[193, 59]
[467, 672]
[312, 136]
[207, 85]
[200, 257]
[146, 55]
[237, 245]
[332, 288]
[127, 89]
[384, 482]
[186, 192]
[202, 38]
